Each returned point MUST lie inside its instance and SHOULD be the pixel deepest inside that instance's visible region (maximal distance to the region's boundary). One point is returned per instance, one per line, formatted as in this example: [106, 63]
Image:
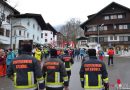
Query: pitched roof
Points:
[49, 27]
[7, 5]
[38, 18]
[94, 15]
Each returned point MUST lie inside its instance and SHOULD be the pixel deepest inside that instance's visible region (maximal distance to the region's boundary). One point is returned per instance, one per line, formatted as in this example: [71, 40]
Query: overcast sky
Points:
[58, 12]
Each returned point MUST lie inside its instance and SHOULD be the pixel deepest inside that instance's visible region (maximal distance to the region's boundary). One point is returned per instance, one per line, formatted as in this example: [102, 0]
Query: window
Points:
[28, 23]
[105, 39]
[24, 33]
[38, 38]
[33, 25]
[45, 40]
[114, 16]
[115, 37]
[41, 35]
[2, 31]
[45, 34]
[111, 37]
[51, 38]
[7, 33]
[38, 28]
[121, 38]
[27, 35]
[104, 27]
[120, 16]
[120, 26]
[14, 32]
[19, 32]
[125, 38]
[123, 26]
[106, 17]
[114, 26]
[33, 37]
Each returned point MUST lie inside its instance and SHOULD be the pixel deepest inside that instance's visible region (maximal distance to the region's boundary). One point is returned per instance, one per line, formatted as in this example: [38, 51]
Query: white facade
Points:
[26, 28]
[6, 26]
[49, 38]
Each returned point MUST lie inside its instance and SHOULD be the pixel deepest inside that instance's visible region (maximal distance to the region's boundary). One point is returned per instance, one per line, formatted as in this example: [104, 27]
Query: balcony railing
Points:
[115, 43]
[106, 32]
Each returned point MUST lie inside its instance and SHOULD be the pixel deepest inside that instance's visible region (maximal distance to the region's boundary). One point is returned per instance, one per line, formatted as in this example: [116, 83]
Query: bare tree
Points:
[72, 30]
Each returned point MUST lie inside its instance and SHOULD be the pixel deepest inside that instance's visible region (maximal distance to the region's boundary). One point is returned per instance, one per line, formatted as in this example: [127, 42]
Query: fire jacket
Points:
[25, 72]
[54, 73]
[68, 61]
[93, 74]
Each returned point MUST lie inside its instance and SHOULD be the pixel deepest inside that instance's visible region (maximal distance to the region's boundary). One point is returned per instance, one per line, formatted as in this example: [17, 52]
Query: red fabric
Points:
[3, 70]
[110, 52]
[101, 58]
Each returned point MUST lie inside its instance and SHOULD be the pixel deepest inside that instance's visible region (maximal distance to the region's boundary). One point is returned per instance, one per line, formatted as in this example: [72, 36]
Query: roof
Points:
[82, 38]
[49, 27]
[94, 15]
[38, 18]
[6, 4]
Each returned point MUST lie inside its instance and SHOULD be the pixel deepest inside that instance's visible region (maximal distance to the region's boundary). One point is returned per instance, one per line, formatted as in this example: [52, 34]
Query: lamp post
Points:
[99, 30]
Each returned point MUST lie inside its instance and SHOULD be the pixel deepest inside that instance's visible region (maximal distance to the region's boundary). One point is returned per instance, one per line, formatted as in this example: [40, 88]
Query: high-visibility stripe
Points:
[81, 79]
[99, 80]
[27, 86]
[106, 80]
[65, 78]
[57, 77]
[86, 81]
[99, 86]
[29, 78]
[54, 83]
[15, 76]
[68, 69]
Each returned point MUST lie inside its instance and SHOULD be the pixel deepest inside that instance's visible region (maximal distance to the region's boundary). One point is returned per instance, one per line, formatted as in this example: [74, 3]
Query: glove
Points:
[41, 86]
[106, 85]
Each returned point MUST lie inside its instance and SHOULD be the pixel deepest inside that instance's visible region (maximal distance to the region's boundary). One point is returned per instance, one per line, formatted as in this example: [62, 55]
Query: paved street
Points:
[121, 70]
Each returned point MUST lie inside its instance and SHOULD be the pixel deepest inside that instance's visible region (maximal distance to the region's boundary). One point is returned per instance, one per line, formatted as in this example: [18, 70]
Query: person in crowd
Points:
[54, 73]
[38, 54]
[101, 55]
[10, 56]
[110, 56]
[93, 73]
[68, 61]
[76, 51]
[25, 70]
[82, 52]
[2, 63]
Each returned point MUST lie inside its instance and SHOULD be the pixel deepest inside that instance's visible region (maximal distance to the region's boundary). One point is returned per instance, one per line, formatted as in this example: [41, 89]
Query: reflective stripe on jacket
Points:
[26, 72]
[54, 73]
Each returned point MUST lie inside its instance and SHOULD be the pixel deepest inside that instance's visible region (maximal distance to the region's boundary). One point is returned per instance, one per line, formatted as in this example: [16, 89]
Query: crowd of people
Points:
[26, 70]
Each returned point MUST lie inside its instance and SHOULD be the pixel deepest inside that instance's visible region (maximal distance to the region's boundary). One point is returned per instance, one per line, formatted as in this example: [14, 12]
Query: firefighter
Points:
[54, 73]
[93, 73]
[68, 61]
[25, 71]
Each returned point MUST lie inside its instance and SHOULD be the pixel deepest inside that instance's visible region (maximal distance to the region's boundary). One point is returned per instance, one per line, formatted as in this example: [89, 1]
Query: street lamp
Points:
[98, 29]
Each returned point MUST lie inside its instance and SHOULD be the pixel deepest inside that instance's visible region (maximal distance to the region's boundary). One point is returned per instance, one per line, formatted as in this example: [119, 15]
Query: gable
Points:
[112, 8]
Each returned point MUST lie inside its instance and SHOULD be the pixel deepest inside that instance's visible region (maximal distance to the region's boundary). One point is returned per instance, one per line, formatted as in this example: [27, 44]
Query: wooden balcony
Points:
[112, 32]
[115, 43]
